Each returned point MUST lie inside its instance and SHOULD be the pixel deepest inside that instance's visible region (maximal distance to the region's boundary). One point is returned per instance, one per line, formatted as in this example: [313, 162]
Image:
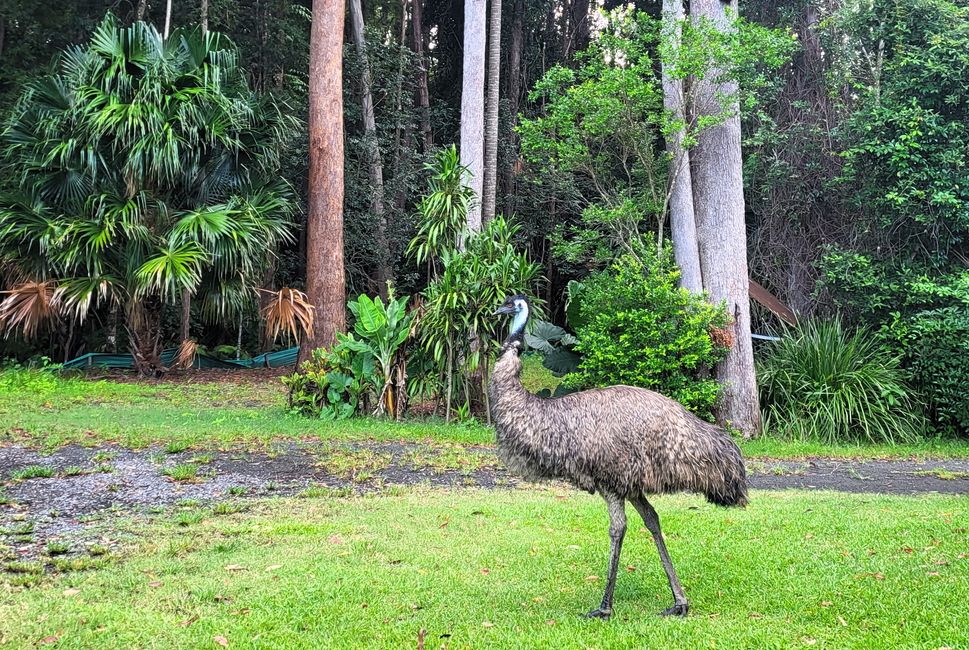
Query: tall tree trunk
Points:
[204, 15]
[472, 104]
[168, 18]
[490, 181]
[514, 77]
[577, 31]
[325, 284]
[140, 10]
[186, 314]
[682, 218]
[373, 150]
[423, 95]
[719, 205]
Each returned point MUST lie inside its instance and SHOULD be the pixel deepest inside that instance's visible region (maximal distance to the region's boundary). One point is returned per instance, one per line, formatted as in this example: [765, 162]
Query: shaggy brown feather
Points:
[618, 440]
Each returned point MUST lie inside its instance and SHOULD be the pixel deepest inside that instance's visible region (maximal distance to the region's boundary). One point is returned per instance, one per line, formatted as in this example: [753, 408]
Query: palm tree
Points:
[145, 166]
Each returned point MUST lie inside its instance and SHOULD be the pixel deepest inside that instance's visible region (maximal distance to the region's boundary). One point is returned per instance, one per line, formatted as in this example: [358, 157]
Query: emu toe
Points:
[604, 614]
[678, 609]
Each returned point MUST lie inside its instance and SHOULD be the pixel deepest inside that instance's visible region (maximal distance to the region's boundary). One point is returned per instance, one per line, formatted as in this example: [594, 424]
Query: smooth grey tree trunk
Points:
[204, 15]
[140, 10]
[682, 217]
[472, 104]
[718, 194]
[168, 19]
[490, 181]
[375, 161]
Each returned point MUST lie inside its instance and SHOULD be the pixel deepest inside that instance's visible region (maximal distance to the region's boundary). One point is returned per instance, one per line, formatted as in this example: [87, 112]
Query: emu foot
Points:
[678, 609]
[601, 612]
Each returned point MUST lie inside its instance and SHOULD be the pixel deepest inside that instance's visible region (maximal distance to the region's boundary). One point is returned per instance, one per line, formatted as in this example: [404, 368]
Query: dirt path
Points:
[88, 485]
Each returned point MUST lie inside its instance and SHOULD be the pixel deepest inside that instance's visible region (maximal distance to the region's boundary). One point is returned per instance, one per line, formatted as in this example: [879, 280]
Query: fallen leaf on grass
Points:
[485, 570]
[487, 624]
[630, 568]
[52, 638]
[71, 592]
[755, 615]
[335, 539]
[933, 574]
[154, 584]
[550, 621]
[221, 640]
[219, 598]
[843, 622]
[234, 567]
[273, 567]
[188, 621]
[592, 578]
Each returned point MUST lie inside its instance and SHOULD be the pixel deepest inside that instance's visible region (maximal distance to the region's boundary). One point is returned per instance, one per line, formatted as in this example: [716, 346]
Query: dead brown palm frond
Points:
[185, 356]
[290, 311]
[28, 306]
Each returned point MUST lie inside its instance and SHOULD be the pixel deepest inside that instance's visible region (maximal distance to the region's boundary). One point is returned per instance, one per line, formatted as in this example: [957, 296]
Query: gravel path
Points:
[89, 484]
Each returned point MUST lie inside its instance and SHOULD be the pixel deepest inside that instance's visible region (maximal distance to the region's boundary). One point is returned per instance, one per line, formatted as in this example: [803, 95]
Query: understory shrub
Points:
[639, 328]
[824, 382]
[935, 352]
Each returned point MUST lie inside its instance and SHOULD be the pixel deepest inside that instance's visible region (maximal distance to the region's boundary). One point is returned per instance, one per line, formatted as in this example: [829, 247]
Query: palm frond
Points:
[290, 311]
[28, 307]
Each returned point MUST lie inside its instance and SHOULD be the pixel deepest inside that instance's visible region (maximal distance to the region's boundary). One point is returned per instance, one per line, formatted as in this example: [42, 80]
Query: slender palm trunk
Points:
[204, 15]
[186, 314]
[140, 10]
[325, 285]
[490, 181]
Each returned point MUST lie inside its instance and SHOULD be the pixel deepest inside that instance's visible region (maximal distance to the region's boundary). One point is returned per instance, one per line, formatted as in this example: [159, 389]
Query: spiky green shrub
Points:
[824, 382]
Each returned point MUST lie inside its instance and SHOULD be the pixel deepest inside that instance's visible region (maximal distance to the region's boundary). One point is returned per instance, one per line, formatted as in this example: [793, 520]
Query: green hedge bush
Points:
[639, 328]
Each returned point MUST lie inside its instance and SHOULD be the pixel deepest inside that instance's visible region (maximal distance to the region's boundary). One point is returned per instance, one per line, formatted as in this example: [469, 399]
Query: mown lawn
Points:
[45, 410]
[514, 569]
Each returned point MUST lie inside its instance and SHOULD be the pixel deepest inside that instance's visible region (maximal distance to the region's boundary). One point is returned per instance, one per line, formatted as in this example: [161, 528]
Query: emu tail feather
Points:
[732, 490]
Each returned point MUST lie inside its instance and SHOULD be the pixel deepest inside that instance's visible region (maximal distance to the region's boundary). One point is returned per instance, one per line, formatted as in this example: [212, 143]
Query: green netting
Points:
[276, 359]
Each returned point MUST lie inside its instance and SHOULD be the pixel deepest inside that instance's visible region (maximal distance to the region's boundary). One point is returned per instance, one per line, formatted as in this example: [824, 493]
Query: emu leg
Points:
[651, 519]
[617, 529]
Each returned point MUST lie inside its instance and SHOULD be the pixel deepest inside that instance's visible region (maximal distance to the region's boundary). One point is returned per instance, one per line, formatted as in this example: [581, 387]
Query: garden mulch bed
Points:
[124, 481]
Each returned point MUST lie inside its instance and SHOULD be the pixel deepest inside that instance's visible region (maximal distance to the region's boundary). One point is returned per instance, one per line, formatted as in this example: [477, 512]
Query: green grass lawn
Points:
[514, 569]
[45, 410]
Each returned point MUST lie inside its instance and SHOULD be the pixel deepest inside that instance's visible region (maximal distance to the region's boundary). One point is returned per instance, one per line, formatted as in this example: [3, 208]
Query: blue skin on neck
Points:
[518, 325]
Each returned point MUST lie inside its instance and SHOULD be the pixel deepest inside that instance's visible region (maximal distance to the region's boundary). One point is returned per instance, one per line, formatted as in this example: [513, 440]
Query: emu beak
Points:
[504, 309]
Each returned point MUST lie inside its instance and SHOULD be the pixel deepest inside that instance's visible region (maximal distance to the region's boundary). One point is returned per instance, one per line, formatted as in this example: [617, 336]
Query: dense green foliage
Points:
[363, 370]
[639, 328]
[831, 383]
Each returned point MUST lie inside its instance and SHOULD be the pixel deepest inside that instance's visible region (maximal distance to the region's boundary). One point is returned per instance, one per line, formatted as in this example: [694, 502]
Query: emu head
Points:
[517, 305]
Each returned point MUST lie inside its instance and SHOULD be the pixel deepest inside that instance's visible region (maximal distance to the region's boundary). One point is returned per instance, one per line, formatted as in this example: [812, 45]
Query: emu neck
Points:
[509, 399]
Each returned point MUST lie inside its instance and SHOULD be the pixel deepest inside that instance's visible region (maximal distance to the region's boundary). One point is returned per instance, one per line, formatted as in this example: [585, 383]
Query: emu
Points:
[623, 442]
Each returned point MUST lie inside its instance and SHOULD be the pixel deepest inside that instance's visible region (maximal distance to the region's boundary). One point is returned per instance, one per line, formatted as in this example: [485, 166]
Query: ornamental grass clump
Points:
[824, 382]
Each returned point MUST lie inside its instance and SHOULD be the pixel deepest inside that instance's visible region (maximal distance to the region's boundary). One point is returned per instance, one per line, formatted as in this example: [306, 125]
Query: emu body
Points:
[622, 442]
